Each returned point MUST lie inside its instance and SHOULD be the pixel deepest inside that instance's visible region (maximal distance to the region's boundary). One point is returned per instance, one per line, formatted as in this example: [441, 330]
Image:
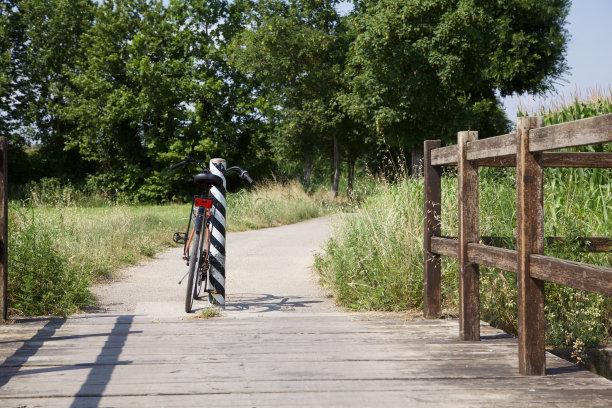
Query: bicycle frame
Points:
[207, 257]
[204, 204]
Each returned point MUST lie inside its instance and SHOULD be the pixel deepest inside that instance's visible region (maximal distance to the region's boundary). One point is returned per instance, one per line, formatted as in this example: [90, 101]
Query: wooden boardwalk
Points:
[276, 359]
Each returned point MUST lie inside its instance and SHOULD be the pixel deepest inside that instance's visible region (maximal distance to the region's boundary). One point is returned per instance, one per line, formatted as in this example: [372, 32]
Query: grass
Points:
[272, 204]
[208, 313]
[374, 261]
[59, 243]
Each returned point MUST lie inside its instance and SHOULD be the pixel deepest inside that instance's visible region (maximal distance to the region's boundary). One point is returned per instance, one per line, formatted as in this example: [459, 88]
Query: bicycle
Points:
[196, 241]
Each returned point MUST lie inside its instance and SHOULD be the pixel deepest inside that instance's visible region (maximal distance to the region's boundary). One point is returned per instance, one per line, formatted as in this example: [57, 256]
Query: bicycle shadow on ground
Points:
[262, 303]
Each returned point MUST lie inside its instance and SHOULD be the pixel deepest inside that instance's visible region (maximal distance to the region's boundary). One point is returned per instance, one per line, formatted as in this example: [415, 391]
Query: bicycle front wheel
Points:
[194, 267]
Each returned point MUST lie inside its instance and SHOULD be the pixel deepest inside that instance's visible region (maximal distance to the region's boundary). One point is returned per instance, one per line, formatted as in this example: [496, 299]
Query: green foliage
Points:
[5, 54]
[42, 280]
[426, 69]
[372, 261]
[295, 52]
[111, 93]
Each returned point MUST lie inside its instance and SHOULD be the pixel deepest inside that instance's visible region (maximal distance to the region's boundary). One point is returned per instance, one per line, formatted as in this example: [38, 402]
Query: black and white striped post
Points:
[217, 237]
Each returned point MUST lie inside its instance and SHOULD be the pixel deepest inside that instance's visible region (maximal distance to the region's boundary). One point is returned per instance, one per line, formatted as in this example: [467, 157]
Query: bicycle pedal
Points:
[180, 237]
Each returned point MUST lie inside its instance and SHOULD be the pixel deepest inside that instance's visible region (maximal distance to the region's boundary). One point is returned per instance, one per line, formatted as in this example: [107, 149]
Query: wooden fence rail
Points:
[524, 150]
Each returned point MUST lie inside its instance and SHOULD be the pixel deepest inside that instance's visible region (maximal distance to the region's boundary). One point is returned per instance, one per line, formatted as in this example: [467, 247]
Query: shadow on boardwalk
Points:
[269, 303]
[100, 370]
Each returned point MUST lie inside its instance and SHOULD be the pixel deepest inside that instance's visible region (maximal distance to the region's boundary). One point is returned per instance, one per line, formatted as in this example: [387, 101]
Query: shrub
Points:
[42, 281]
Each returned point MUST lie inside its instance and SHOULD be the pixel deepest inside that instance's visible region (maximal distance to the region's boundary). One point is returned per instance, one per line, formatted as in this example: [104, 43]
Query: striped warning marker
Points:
[217, 237]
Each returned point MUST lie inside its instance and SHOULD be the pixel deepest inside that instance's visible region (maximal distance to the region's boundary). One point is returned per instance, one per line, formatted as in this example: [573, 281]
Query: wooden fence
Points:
[524, 150]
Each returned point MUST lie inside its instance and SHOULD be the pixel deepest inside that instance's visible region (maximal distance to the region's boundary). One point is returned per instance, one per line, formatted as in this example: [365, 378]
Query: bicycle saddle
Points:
[208, 178]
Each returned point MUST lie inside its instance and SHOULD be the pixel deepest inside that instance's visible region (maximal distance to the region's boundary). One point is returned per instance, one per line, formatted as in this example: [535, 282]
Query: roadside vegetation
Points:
[375, 259]
[61, 239]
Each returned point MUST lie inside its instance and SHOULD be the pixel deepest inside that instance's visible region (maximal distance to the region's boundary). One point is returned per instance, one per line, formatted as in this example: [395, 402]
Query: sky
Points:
[589, 54]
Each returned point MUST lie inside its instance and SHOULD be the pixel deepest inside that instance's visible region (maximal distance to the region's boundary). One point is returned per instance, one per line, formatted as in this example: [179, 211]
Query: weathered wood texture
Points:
[577, 159]
[549, 159]
[525, 151]
[432, 202]
[493, 257]
[480, 254]
[530, 227]
[275, 359]
[3, 230]
[596, 279]
[557, 159]
[445, 246]
[585, 244]
[469, 299]
[498, 146]
[444, 156]
[571, 134]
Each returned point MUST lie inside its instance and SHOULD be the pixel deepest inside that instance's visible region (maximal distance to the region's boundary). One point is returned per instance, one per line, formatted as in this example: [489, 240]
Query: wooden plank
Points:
[497, 146]
[571, 134]
[586, 244]
[444, 156]
[577, 159]
[445, 246]
[556, 159]
[469, 297]
[195, 387]
[3, 231]
[502, 161]
[596, 279]
[530, 240]
[593, 244]
[253, 359]
[432, 304]
[493, 257]
[402, 395]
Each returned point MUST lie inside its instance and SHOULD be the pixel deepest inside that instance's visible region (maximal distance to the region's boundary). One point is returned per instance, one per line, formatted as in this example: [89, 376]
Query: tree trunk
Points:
[351, 175]
[416, 158]
[307, 171]
[336, 180]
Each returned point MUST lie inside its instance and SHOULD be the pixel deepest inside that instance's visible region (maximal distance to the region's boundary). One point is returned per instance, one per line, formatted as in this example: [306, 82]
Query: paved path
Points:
[281, 343]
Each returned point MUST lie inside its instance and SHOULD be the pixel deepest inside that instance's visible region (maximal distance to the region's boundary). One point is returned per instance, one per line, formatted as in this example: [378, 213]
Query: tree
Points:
[12, 45]
[291, 48]
[52, 31]
[426, 69]
[153, 84]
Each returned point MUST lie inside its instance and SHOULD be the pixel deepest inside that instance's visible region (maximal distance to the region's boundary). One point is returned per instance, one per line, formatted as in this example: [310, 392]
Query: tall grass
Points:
[374, 261]
[271, 204]
[60, 240]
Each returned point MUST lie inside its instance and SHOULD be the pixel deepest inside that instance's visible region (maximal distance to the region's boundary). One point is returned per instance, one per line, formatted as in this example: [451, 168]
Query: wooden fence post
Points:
[530, 240]
[3, 231]
[469, 298]
[432, 265]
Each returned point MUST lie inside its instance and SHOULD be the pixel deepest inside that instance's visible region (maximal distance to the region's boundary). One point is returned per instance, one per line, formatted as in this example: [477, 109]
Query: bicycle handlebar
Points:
[248, 178]
[177, 165]
[235, 169]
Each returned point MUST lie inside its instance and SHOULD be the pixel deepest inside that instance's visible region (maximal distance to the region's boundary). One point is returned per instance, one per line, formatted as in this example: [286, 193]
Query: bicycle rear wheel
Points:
[194, 268]
[203, 264]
